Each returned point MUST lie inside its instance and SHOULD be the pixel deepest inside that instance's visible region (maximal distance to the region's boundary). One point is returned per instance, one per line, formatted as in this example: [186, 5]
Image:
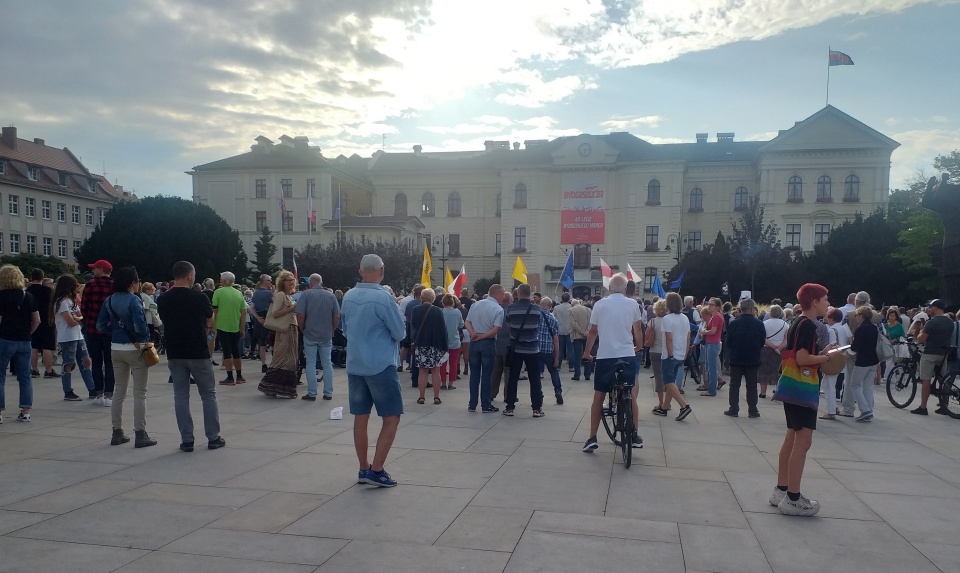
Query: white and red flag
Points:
[606, 273]
[458, 283]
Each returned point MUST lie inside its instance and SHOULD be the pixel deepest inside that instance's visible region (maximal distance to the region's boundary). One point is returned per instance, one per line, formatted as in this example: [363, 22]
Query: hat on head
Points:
[938, 303]
[102, 265]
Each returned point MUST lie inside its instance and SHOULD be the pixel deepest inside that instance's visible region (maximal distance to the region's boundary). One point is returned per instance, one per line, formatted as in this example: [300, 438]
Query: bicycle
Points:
[617, 415]
[902, 382]
[902, 379]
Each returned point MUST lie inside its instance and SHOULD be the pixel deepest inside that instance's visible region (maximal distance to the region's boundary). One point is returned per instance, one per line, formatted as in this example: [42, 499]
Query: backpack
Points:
[688, 312]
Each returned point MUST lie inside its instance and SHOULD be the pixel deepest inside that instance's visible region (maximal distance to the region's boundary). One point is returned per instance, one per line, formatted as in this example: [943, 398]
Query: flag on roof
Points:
[839, 59]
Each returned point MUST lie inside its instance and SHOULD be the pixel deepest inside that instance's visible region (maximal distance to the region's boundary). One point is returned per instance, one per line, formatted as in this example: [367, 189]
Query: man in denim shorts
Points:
[373, 328]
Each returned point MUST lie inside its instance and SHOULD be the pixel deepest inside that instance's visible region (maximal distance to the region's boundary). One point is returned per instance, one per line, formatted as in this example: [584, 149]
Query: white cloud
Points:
[917, 151]
[625, 123]
[462, 128]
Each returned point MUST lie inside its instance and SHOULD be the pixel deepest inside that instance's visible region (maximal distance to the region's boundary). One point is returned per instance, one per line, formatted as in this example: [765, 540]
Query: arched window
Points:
[499, 203]
[453, 205]
[428, 205]
[795, 189]
[520, 196]
[400, 205]
[851, 188]
[696, 199]
[653, 192]
[741, 198]
[824, 188]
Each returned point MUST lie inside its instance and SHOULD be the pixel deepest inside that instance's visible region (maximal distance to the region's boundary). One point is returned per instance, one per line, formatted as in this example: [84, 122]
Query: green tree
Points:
[51, 266]
[264, 252]
[339, 264]
[482, 285]
[156, 232]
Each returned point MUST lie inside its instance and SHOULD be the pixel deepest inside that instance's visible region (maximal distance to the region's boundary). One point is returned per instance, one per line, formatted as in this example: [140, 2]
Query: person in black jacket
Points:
[860, 388]
[745, 338]
[428, 333]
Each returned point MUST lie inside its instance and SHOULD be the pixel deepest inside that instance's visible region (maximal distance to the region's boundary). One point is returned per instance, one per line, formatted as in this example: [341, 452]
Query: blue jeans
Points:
[565, 347]
[74, 353]
[483, 355]
[18, 352]
[102, 358]
[713, 363]
[311, 350]
[576, 355]
[201, 370]
[546, 359]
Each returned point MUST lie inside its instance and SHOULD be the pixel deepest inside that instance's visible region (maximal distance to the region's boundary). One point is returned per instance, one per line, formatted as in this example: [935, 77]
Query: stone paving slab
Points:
[478, 492]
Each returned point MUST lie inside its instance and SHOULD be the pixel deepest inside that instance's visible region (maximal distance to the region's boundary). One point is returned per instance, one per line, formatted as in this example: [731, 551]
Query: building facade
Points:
[49, 202]
[613, 196]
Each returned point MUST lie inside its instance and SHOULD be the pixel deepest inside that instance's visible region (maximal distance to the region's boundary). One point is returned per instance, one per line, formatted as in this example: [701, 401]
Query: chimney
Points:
[119, 188]
[417, 149]
[702, 137]
[38, 141]
[725, 137]
[301, 142]
[516, 146]
[10, 137]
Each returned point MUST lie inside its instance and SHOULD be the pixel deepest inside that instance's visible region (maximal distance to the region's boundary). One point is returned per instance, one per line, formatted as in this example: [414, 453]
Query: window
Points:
[47, 246]
[520, 196]
[696, 199]
[499, 204]
[428, 239]
[649, 275]
[1, 242]
[582, 256]
[653, 192]
[261, 189]
[61, 248]
[103, 215]
[311, 187]
[288, 221]
[400, 205]
[89, 216]
[92, 186]
[3, 167]
[851, 188]
[287, 257]
[653, 238]
[694, 240]
[428, 205]
[453, 205]
[13, 204]
[76, 246]
[741, 199]
[64, 179]
[824, 188]
[519, 239]
[30, 206]
[498, 244]
[45, 209]
[33, 173]
[14, 243]
[75, 214]
[31, 244]
[62, 212]
[793, 236]
[286, 185]
[261, 217]
[821, 234]
[454, 244]
[795, 189]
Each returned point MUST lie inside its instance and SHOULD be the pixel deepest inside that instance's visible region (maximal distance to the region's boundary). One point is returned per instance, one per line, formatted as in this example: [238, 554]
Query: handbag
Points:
[648, 336]
[798, 385]
[273, 323]
[510, 352]
[884, 347]
[148, 352]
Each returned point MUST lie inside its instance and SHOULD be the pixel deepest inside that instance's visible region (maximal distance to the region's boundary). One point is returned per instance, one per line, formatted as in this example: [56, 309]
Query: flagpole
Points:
[828, 75]
[283, 220]
[339, 213]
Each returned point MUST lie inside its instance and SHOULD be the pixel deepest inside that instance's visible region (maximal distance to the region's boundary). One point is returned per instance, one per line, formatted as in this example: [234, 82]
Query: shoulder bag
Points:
[148, 352]
[510, 352]
[885, 349]
[648, 336]
[413, 345]
[798, 385]
[273, 323]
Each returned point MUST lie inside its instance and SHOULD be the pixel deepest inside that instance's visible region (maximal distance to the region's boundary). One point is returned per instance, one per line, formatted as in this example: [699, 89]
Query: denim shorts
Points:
[606, 369]
[381, 390]
[671, 368]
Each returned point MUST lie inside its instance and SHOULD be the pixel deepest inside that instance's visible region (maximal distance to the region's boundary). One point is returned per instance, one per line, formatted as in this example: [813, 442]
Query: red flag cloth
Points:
[840, 59]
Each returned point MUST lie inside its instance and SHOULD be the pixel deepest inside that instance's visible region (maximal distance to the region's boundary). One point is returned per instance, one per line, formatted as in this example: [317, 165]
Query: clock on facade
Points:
[585, 150]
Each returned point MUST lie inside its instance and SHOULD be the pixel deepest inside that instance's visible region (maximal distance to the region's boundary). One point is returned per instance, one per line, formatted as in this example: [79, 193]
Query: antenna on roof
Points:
[105, 171]
[383, 143]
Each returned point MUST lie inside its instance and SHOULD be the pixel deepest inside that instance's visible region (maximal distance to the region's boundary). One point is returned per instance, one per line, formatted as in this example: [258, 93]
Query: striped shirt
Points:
[525, 341]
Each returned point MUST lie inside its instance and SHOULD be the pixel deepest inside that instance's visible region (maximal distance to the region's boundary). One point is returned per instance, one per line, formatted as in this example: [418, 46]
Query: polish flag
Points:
[606, 273]
[632, 274]
[458, 283]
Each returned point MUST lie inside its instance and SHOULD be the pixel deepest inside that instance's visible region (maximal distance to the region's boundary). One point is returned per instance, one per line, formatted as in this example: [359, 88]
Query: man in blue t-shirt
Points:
[260, 301]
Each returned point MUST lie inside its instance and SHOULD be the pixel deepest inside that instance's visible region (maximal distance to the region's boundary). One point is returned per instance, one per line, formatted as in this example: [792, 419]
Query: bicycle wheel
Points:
[902, 385]
[625, 414]
[608, 415]
[951, 389]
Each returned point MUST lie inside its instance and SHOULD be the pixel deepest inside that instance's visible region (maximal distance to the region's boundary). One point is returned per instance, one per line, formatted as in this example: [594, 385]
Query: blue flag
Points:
[657, 288]
[566, 277]
[679, 281]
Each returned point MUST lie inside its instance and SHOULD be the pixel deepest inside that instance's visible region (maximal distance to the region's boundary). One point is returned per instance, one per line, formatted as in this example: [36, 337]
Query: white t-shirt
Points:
[920, 316]
[614, 317]
[67, 333]
[657, 325]
[776, 329]
[839, 333]
[679, 327]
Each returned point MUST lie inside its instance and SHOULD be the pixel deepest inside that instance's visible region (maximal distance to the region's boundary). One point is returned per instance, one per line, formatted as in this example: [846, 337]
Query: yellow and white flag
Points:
[427, 266]
[447, 278]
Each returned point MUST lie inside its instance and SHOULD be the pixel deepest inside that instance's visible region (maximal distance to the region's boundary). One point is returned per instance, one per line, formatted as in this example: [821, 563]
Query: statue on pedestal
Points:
[943, 197]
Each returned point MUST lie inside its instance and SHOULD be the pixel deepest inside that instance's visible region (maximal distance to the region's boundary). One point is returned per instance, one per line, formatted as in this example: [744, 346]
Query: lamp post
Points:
[676, 240]
[441, 242]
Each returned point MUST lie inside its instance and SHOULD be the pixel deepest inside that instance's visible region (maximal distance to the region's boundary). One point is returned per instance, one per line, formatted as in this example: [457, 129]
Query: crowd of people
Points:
[104, 327]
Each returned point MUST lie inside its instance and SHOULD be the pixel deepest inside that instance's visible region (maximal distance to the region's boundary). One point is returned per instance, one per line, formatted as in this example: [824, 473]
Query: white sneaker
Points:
[107, 402]
[777, 496]
[803, 506]
[98, 401]
[23, 417]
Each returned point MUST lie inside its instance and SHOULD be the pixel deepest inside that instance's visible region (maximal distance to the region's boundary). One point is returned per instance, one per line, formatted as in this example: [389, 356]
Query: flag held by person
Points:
[566, 277]
[519, 270]
[632, 274]
[458, 284]
[677, 283]
[606, 273]
[447, 279]
[427, 266]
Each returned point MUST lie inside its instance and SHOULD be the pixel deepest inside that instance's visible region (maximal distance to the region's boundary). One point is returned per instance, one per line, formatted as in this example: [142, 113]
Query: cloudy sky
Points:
[146, 89]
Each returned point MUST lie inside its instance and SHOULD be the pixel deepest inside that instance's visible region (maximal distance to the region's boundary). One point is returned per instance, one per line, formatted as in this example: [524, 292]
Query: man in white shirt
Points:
[616, 319]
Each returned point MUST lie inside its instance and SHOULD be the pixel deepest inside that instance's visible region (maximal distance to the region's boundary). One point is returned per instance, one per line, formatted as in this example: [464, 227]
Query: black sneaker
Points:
[637, 441]
[471, 408]
[659, 411]
[34, 373]
[325, 397]
[731, 413]
[186, 447]
[51, 374]
[71, 397]
[942, 410]
[217, 443]
[919, 411]
[309, 398]
[559, 399]
[684, 412]
[490, 409]
[753, 415]
[590, 445]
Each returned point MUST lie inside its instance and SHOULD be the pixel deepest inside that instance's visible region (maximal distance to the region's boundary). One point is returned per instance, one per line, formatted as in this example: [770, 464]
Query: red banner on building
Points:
[583, 209]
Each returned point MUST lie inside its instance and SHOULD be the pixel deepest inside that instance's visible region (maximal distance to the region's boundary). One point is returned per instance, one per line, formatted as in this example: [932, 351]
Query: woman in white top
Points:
[675, 337]
[656, 349]
[776, 341]
[831, 385]
[65, 315]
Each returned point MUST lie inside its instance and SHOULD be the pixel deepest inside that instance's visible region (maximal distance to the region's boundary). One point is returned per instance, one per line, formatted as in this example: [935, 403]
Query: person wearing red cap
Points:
[95, 291]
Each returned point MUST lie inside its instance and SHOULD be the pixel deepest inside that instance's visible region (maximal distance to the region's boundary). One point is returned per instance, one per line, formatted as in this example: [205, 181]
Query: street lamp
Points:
[675, 240]
[441, 242]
